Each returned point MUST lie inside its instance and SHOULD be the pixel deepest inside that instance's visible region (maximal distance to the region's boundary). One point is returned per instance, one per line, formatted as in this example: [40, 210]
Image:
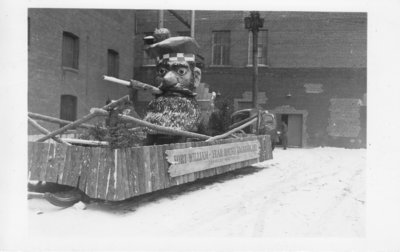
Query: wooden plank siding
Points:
[116, 175]
[84, 167]
[134, 170]
[146, 168]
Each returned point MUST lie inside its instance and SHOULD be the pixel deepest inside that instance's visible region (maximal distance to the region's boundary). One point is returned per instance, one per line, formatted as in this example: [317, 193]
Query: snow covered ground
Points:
[317, 192]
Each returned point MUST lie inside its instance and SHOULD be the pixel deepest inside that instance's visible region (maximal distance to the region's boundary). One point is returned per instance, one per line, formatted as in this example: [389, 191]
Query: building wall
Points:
[277, 83]
[296, 39]
[98, 31]
[319, 58]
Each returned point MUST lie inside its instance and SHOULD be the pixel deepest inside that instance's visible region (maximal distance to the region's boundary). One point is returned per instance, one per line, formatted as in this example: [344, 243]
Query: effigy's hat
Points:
[174, 49]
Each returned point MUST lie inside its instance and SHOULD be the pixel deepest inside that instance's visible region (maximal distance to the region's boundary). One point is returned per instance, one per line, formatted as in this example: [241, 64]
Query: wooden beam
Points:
[44, 131]
[231, 131]
[67, 127]
[116, 103]
[56, 120]
[162, 129]
[86, 142]
[237, 124]
[83, 119]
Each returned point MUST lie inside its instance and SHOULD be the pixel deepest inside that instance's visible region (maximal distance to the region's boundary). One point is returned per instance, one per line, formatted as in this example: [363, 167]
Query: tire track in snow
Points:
[303, 180]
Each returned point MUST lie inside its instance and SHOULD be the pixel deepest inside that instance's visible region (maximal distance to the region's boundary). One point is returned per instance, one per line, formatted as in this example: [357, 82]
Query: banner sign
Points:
[189, 160]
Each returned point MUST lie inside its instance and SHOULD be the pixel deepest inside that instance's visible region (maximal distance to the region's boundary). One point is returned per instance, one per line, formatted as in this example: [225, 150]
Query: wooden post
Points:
[258, 122]
[255, 67]
[253, 23]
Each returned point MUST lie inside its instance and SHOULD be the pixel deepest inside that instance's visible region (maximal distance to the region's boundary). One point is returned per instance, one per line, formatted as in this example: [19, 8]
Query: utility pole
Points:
[192, 25]
[161, 19]
[254, 23]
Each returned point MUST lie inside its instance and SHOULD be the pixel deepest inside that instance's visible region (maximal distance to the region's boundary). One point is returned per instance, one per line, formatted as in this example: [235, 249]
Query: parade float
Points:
[170, 146]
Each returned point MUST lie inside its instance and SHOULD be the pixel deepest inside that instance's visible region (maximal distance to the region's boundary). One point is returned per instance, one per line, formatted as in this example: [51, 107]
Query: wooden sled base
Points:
[119, 174]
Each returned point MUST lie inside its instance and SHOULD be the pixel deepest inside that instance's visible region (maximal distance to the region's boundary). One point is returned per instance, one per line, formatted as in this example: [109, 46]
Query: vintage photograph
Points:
[195, 123]
[231, 123]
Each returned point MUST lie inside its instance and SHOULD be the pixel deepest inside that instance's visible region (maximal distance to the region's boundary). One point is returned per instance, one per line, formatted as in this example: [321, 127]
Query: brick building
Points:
[312, 68]
[69, 50]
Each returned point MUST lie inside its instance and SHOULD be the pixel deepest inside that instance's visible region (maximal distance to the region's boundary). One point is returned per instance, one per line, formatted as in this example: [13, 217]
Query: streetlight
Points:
[254, 23]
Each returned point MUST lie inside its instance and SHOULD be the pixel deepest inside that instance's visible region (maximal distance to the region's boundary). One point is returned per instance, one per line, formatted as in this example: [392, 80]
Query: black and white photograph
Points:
[159, 127]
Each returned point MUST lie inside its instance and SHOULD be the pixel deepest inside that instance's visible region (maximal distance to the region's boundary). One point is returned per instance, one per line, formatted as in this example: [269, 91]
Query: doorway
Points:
[294, 124]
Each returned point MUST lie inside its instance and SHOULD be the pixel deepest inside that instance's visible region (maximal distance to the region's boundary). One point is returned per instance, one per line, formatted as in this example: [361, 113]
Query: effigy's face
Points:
[176, 75]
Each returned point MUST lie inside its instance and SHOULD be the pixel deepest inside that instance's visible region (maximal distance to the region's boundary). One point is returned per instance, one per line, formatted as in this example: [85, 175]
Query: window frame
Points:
[74, 51]
[112, 59]
[263, 44]
[221, 45]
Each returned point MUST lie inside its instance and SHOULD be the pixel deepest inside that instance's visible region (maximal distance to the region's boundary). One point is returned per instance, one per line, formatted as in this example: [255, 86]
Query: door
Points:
[295, 130]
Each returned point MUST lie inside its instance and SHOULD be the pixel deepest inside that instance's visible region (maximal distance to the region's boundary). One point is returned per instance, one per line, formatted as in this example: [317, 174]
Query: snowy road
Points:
[300, 193]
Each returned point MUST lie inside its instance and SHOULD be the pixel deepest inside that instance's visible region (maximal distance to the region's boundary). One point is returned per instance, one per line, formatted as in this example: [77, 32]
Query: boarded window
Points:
[262, 48]
[70, 51]
[112, 63]
[68, 107]
[220, 47]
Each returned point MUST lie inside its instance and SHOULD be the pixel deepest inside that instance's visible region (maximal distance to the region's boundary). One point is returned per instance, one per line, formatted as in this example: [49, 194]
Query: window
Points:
[112, 63]
[220, 47]
[262, 48]
[68, 107]
[147, 61]
[70, 50]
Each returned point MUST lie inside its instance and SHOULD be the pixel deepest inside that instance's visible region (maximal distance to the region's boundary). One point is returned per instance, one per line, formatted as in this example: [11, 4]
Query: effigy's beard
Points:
[177, 112]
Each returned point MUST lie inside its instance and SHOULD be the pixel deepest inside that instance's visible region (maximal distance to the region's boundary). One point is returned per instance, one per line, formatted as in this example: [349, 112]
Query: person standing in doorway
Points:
[284, 135]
